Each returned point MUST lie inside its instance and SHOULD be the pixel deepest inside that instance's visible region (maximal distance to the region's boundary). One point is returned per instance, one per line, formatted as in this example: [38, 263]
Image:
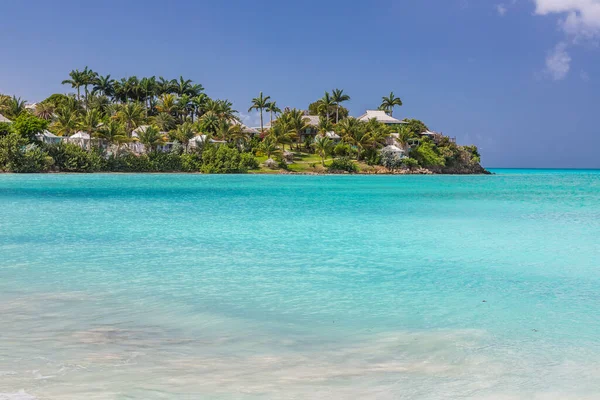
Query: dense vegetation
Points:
[155, 111]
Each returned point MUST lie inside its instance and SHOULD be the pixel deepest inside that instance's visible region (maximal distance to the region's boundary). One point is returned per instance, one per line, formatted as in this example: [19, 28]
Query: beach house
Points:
[379, 116]
[48, 137]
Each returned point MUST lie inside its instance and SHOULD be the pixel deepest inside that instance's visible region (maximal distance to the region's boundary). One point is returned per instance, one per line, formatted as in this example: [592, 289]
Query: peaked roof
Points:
[380, 116]
[4, 119]
[80, 135]
[48, 134]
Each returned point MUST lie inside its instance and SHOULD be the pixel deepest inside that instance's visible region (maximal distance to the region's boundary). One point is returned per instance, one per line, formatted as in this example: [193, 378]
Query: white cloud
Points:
[579, 18]
[558, 62]
[253, 119]
[584, 76]
[501, 8]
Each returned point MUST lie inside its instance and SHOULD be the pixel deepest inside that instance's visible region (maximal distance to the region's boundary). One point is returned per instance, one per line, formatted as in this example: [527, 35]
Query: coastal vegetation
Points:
[155, 124]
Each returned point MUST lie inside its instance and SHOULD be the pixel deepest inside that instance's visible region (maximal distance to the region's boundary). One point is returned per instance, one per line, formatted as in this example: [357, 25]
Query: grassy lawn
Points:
[303, 162]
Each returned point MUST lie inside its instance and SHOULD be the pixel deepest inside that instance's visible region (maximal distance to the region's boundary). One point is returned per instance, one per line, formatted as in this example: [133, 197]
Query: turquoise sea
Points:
[300, 287]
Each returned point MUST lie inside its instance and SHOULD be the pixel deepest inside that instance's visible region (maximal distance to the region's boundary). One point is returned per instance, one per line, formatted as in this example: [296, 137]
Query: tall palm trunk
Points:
[261, 121]
[337, 113]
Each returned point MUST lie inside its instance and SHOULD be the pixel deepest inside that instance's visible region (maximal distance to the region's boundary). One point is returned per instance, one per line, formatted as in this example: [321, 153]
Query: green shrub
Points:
[372, 156]
[221, 160]
[165, 162]
[427, 155]
[410, 162]
[248, 161]
[5, 128]
[191, 162]
[343, 150]
[343, 164]
[28, 125]
[69, 157]
[16, 155]
[129, 163]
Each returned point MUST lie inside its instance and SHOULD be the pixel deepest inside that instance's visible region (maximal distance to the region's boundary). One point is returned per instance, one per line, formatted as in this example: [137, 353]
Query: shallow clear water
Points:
[385, 287]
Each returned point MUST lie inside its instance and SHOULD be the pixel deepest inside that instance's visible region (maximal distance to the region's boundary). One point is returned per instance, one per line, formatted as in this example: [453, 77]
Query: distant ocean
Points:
[118, 286]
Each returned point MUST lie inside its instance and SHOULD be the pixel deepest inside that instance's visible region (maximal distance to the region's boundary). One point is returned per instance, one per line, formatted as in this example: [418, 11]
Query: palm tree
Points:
[44, 110]
[165, 86]
[148, 88]
[167, 104]
[259, 103]
[388, 103]
[323, 146]
[151, 138]
[66, 121]
[273, 109]
[209, 122]
[282, 135]
[326, 102]
[184, 133]
[268, 146]
[89, 78]
[131, 115]
[324, 125]
[90, 124]
[199, 104]
[77, 81]
[182, 85]
[164, 121]
[338, 97]
[297, 123]
[13, 107]
[113, 132]
[104, 85]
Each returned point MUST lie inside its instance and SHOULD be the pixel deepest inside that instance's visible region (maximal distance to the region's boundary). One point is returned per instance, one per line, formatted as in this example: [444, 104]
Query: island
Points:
[160, 125]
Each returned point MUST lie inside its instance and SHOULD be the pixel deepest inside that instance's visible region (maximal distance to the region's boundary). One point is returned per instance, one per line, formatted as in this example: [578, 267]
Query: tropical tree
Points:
[338, 96]
[326, 104]
[76, 81]
[184, 133]
[167, 103]
[44, 110]
[165, 122]
[131, 115]
[260, 103]
[151, 138]
[13, 107]
[199, 104]
[268, 146]
[104, 85]
[388, 103]
[209, 123]
[282, 135]
[113, 132]
[90, 124]
[323, 147]
[66, 121]
[297, 123]
[273, 109]
[165, 86]
[324, 125]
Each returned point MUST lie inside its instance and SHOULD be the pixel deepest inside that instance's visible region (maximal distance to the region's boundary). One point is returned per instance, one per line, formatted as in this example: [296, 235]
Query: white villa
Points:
[48, 137]
[4, 119]
[200, 139]
[80, 138]
[380, 116]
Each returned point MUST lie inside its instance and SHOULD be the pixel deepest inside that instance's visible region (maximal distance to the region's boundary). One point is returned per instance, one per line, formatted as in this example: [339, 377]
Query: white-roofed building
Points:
[80, 138]
[48, 137]
[380, 116]
[200, 139]
[4, 119]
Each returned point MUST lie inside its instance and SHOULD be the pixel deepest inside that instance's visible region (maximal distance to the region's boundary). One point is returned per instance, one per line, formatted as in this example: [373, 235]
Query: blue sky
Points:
[518, 78]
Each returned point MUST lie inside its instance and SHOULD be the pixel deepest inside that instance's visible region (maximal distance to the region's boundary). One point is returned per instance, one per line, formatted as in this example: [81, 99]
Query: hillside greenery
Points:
[154, 112]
